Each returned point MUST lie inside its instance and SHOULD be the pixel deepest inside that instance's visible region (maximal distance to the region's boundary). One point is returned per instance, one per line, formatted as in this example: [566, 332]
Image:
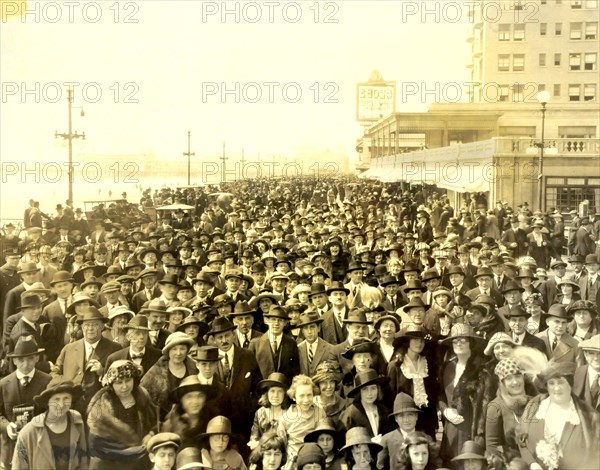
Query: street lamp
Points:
[543, 98]
[70, 136]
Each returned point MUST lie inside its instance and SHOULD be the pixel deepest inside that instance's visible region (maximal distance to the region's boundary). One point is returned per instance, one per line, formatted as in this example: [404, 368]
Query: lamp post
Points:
[223, 166]
[543, 98]
[189, 154]
[70, 136]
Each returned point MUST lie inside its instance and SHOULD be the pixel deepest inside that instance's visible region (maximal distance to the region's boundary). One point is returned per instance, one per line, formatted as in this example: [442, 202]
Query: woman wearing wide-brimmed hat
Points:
[56, 438]
[471, 457]
[168, 372]
[194, 327]
[360, 452]
[466, 389]
[585, 320]
[328, 379]
[568, 292]
[216, 449]
[175, 317]
[505, 412]
[190, 414]
[558, 429]
[367, 409]
[118, 317]
[414, 373]
[120, 417]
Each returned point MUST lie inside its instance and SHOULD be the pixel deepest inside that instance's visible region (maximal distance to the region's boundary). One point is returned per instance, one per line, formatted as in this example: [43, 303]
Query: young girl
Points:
[269, 454]
[328, 439]
[215, 446]
[274, 402]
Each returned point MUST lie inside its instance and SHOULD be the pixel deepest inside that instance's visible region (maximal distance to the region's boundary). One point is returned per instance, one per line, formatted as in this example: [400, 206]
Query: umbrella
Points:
[175, 207]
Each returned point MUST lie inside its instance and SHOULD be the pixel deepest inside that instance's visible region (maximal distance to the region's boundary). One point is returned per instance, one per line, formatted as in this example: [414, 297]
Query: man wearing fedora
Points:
[318, 298]
[243, 318]
[208, 360]
[358, 329]
[148, 289]
[549, 288]
[140, 351]
[355, 273]
[156, 311]
[586, 382]
[62, 283]
[517, 323]
[83, 361]
[239, 372]
[29, 323]
[312, 349]
[29, 274]
[485, 279]
[18, 390]
[111, 291]
[560, 345]
[274, 350]
[589, 284]
[334, 328]
[405, 414]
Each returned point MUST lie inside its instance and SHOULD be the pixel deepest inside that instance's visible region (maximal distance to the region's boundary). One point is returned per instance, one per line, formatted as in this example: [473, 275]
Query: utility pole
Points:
[243, 161]
[70, 136]
[189, 154]
[223, 166]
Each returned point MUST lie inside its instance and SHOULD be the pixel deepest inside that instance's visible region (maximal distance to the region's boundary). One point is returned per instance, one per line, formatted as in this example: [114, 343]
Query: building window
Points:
[567, 195]
[589, 92]
[503, 92]
[557, 59]
[575, 61]
[519, 32]
[556, 91]
[518, 62]
[541, 87]
[558, 29]
[575, 32]
[543, 28]
[503, 62]
[542, 60]
[574, 92]
[504, 32]
[591, 30]
[576, 4]
[518, 93]
[590, 61]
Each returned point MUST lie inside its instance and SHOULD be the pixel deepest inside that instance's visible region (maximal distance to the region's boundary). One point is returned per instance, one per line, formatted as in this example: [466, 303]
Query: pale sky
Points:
[172, 53]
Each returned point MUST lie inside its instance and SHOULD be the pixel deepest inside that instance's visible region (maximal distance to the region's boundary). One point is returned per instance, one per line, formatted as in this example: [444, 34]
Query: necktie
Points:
[354, 291]
[554, 343]
[516, 339]
[595, 390]
[26, 379]
[246, 340]
[589, 289]
[341, 317]
[311, 356]
[90, 355]
[274, 347]
[137, 356]
[154, 337]
[226, 369]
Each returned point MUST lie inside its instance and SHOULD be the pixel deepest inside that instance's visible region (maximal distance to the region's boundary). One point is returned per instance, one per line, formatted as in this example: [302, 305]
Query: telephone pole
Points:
[189, 154]
[70, 136]
[223, 166]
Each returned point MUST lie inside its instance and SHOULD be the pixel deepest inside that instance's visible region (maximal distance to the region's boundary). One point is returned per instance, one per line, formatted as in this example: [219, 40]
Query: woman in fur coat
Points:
[121, 417]
[465, 392]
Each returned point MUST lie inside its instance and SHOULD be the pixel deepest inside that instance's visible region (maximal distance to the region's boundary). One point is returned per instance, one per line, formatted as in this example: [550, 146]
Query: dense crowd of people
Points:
[313, 323]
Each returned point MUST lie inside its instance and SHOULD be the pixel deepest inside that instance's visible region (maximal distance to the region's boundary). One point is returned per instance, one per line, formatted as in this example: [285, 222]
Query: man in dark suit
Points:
[156, 311]
[239, 372]
[275, 351]
[517, 321]
[586, 383]
[484, 279]
[29, 322]
[29, 273]
[560, 346]
[334, 329]
[62, 283]
[589, 284]
[207, 360]
[312, 350]
[149, 289]
[83, 361]
[18, 389]
[139, 349]
[584, 240]
[243, 317]
[549, 288]
[392, 300]
[9, 278]
[358, 328]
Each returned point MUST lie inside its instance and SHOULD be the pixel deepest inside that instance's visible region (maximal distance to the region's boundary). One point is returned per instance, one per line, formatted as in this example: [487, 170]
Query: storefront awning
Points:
[466, 179]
